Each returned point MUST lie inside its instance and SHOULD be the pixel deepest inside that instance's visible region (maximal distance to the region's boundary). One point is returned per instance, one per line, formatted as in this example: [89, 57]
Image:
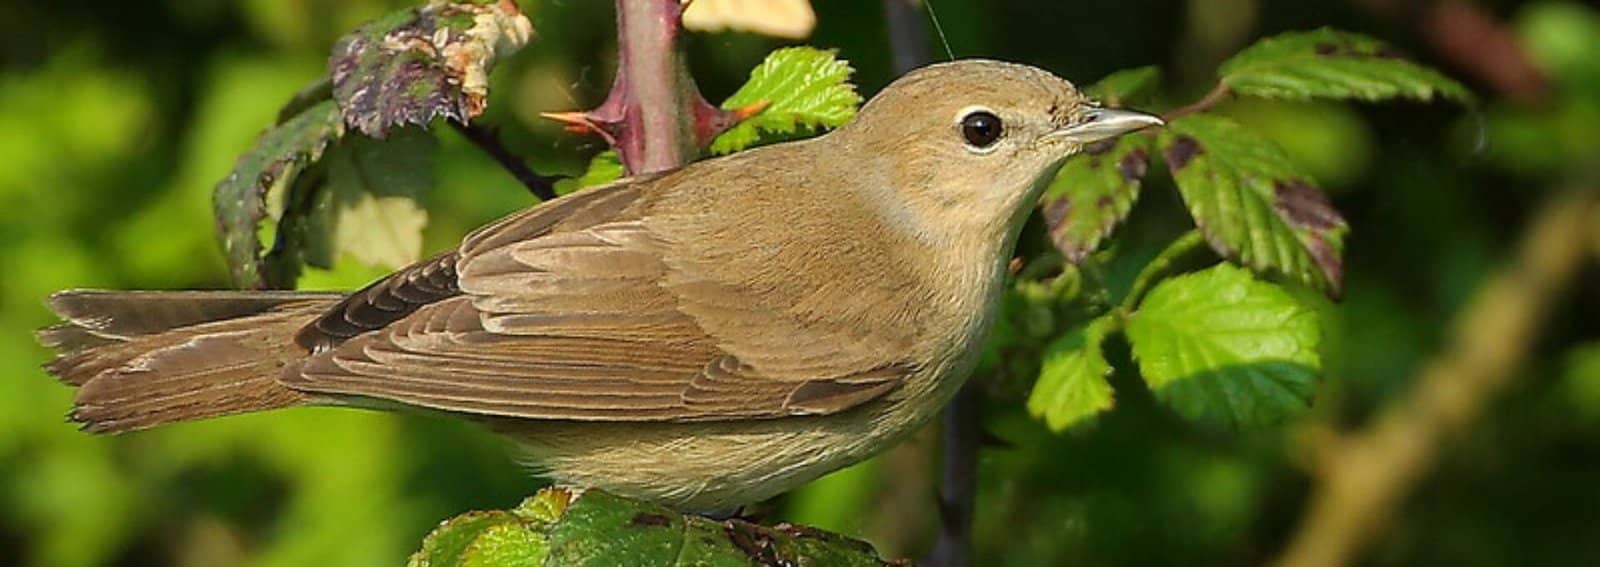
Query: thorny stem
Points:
[654, 116]
[1219, 93]
[649, 73]
[489, 141]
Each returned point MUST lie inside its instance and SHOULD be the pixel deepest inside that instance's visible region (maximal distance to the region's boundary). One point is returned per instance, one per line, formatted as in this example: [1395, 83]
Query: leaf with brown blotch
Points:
[1251, 202]
[1093, 192]
[1328, 63]
[416, 65]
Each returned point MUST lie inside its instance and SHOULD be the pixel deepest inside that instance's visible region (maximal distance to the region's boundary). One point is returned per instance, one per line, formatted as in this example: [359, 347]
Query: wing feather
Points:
[565, 312]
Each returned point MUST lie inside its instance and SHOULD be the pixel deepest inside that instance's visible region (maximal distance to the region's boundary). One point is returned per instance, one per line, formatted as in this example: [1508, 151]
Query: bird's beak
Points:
[1104, 123]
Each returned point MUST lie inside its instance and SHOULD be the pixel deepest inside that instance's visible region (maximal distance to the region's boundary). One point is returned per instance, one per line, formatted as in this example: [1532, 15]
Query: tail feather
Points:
[141, 359]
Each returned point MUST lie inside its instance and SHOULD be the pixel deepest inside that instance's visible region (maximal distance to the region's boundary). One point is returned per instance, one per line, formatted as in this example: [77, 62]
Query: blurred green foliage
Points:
[116, 119]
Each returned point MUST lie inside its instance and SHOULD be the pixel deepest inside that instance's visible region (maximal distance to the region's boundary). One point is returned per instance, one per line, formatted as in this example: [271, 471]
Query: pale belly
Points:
[718, 466]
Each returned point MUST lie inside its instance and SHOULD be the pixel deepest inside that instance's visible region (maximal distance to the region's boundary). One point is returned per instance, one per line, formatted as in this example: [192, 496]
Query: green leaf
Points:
[1093, 192]
[1072, 385]
[1219, 346]
[593, 528]
[1118, 89]
[449, 543]
[1334, 64]
[275, 164]
[423, 63]
[372, 212]
[604, 168]
[805, 88]
[1252, 204]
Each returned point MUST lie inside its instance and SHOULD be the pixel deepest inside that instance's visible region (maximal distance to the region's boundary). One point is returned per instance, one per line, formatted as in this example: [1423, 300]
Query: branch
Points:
[1218, 94]
[1363, 476]
[488, 140]
[654, 116]
[958, 480]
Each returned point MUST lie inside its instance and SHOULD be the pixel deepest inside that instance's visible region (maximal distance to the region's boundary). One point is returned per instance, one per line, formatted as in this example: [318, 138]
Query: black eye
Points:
[981, 128]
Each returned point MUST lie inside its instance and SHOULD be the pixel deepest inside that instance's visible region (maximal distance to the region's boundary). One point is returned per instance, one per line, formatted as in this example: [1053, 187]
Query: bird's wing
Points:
[566, 314]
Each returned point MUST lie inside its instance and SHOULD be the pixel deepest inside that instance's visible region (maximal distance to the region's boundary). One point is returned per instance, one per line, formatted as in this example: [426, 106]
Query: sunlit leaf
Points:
[1252, 204]
[1093, 192]
[1334, 64]
[1072, 383]
[604, 168]
[240, 199]
[791, 19]
[593, 528]
[423, 63]
[371, 208]
[1219, 346]
[804, 89]
[1118, 89]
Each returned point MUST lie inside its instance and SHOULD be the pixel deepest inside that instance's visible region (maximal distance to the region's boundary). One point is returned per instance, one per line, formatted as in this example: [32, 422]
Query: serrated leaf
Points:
[804, 88]
[1118, 89]
[1072, 385]
[373, 213]
[239, 201]
[445, 544]
[510, 544]
[1252, 204]
[1333, 64]
[593, 528]
[427, 62]
[1219, 346]
[1093, 192]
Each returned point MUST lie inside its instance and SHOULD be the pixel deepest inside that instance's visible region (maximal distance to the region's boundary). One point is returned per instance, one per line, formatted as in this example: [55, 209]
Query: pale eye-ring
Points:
[981, 129]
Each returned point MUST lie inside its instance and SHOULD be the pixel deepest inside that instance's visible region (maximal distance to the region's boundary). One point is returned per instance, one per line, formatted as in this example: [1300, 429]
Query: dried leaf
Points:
[416, 65]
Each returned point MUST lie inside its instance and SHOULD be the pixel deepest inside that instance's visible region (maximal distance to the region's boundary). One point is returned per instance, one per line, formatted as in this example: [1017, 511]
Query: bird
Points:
[702, 338]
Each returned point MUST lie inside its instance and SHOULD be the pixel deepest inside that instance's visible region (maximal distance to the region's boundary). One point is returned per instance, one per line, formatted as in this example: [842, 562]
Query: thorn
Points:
[748, 110]
[572, 118]
[578, 122]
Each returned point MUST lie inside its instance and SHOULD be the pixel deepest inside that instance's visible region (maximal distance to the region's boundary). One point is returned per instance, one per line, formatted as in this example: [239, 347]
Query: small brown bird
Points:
[703, 338]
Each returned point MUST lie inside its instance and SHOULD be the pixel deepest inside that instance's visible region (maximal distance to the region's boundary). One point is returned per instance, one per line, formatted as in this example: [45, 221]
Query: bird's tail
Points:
[141, 359]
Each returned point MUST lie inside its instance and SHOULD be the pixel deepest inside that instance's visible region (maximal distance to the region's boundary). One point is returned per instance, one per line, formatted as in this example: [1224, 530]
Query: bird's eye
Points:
[981, 128]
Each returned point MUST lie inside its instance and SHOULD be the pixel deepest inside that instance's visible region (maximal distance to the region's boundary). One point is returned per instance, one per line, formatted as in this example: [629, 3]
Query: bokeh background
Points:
[116, 118]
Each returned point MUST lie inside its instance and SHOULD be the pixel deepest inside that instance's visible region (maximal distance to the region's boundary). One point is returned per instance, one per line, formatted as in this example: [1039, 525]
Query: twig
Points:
[1218, 94]
[1363, 476]
[958, 479]
[958, 483]
[908, 39]
[489, 141]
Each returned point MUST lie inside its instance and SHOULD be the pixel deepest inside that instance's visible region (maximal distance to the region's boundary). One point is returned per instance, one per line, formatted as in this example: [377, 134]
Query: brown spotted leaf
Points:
[1252, 204]
[1329, 63]
[248, 202]
[1093, 192]
[416, 65]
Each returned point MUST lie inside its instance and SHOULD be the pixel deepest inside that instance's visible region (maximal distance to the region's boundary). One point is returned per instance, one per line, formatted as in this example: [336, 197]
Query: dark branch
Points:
[488, 140]
[958, 480]
[1218, 94]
